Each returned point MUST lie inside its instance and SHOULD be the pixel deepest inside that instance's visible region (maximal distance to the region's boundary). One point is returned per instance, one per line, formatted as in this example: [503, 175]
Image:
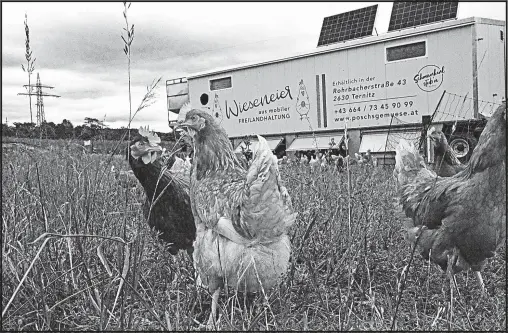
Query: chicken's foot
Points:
[450, 307]
[449, 271]
[213, 314]
[480, 282]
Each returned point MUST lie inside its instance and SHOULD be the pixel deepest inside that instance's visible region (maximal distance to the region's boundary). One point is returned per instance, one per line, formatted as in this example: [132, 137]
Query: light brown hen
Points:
[242, 215]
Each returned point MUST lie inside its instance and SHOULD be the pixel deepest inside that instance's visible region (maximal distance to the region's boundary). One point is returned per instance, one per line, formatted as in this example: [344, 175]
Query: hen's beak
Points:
[185, 124]
[187, 128]
[182, 126]
[179, 128]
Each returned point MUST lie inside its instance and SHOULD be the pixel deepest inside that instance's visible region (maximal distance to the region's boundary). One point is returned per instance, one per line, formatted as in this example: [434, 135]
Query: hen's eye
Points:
[194, 118]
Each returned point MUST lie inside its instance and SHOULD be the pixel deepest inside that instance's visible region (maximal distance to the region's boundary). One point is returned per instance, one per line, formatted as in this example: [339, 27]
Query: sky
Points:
[78, 49]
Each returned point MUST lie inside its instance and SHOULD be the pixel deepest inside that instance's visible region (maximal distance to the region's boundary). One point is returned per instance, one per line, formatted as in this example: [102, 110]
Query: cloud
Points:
[96, 46]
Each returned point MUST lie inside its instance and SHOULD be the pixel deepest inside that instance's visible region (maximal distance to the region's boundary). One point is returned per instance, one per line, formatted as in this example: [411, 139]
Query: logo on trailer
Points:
[302, 101]
[217, 110]
[429, 78]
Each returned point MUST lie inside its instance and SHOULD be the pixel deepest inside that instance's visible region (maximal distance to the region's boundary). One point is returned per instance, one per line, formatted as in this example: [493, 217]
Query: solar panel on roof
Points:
[406, 14]
[345, 26]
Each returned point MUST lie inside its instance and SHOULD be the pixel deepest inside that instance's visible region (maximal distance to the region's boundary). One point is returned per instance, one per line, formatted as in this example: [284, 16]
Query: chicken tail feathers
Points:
[267, 210]
[413, 177]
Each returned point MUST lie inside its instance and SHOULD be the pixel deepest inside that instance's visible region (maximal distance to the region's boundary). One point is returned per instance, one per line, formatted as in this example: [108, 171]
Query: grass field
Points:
[76, 244]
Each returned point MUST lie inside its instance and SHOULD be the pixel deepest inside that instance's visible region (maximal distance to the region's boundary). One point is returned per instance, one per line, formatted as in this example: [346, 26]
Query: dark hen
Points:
[459, 221]
[171, 214]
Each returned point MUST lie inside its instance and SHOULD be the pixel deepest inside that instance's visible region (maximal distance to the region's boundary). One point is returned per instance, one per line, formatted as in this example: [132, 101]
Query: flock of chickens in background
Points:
[233, 217]
[324, 160]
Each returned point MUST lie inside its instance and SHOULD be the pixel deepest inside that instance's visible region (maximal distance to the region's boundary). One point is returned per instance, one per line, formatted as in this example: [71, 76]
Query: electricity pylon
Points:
[41, 117]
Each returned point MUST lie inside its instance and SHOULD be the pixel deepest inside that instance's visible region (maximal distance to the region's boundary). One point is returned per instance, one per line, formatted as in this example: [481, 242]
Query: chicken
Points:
[459, 221]
[445, 161]
[339, 163]
[314, 162]
[283, 160]
[348, 160]
[170, 214]
[374, 161]
[242, 215]
[359, 158]
[367, 158]
[304, 159]
[324, 161]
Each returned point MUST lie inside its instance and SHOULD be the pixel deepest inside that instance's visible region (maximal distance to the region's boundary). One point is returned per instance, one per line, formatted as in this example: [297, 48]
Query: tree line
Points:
[92, 129]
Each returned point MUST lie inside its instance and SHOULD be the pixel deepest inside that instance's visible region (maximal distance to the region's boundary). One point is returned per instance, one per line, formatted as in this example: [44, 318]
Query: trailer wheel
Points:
[463, 145]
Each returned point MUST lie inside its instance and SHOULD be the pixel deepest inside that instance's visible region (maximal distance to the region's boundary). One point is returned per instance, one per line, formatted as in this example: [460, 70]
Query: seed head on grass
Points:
[30, 67]
[129, 29]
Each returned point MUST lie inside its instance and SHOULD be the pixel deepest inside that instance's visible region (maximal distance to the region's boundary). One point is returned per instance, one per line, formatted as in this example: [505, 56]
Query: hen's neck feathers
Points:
[149, 174]
[213, 151]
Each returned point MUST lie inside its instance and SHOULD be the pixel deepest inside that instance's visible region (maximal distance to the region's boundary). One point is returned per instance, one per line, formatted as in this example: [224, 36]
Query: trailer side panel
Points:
[362, 87]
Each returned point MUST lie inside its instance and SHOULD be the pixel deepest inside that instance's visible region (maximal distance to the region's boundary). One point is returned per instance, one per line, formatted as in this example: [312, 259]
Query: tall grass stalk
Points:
[402, 282]
[24, 277]
[29, 65]
[145, 102]
[348, 179]
[127, 50]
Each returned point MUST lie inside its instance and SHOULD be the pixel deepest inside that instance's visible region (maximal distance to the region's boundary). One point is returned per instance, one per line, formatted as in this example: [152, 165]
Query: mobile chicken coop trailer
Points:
[378, 87]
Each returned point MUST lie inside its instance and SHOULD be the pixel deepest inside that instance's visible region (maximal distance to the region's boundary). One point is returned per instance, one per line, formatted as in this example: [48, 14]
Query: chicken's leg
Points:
[215, 302]
[480, 282]
[449, 272]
